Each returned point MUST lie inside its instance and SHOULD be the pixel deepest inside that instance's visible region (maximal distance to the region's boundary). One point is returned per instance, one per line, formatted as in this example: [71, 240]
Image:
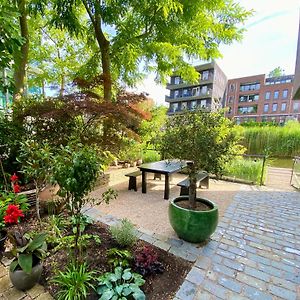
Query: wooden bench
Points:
[132, 179]
[202, 179]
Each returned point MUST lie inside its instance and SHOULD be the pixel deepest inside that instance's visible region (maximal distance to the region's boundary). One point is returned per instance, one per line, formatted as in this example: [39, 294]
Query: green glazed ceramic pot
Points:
[193, 226]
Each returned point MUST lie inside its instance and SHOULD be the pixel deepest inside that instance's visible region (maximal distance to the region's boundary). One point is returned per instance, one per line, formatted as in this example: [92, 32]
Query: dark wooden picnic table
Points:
[165, 167]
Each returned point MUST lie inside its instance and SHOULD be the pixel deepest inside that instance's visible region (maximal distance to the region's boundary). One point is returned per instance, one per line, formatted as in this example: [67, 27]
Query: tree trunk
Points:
[43, 88]
[104, 47]
[62, 85]
[37, 203]
[193, 184]
[21, 58]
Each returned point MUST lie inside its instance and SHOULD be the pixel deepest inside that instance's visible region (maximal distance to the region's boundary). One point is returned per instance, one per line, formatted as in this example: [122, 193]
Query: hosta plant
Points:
[121, 284]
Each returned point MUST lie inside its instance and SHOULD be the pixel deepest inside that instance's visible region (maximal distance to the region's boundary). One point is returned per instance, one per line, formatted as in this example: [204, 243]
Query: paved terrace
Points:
[254, 253]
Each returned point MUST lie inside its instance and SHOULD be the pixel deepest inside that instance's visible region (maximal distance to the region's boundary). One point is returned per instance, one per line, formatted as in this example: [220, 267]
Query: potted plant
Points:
[207, 141]
[26, 268]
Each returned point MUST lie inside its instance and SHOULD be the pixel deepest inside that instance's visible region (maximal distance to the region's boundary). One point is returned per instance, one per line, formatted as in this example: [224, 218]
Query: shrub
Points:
[119, 258]
[74, 283]
[122, 284]
[146, 262]
[124, 233]
[246, 169]
[150, 156]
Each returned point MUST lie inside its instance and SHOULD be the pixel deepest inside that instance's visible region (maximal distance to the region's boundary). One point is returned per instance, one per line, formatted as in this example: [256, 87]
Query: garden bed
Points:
[158, 286]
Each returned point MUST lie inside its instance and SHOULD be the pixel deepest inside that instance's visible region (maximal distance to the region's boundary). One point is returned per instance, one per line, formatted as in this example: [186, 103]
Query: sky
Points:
[270, 41]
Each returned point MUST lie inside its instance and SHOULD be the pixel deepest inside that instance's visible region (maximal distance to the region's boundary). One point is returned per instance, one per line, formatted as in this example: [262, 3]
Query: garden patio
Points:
[254, 254]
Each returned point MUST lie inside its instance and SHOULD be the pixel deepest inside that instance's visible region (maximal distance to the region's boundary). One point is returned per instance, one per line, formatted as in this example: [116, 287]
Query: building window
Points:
[249, 86]
[249, 98]
[176, 94]
[283, 106]
[238, 121]
[231, 87]
[267, 95]
[296, 107]
[284, 94]
[247, 109]
[177, 80]
[264, 119]
[204, 90]
[193, 104]
[174, 107]
[266, 108]
[229, 110]
[274, 107]
[276, 94]
[185, 92]
[203, 103]
[205, 75]
[230, 99]
[184, 105]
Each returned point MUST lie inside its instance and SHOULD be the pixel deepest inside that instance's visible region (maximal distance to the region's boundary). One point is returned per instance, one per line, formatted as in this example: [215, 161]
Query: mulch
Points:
[157, 286]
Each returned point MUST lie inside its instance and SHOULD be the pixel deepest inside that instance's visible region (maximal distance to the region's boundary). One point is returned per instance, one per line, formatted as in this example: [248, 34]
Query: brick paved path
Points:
[255, 253]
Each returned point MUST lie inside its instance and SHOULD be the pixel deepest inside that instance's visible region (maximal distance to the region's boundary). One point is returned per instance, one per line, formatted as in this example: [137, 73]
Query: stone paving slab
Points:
[8, 292]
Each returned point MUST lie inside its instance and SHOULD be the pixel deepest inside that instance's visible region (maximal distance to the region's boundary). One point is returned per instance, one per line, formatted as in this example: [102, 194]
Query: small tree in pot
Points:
[206, 140]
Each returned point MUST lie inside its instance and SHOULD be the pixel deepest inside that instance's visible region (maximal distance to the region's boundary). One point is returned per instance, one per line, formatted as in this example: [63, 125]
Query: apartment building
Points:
[208, 93]
[257, 98]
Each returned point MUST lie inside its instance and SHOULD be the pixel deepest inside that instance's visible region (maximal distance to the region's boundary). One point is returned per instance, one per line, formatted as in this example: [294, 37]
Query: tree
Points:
[10, 41]
[159, 33]
[276, 72]
[205, 139]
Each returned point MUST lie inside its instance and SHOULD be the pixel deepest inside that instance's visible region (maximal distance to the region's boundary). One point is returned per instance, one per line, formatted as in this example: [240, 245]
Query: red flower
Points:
[14, 177]
[17, 188]
[12, 214]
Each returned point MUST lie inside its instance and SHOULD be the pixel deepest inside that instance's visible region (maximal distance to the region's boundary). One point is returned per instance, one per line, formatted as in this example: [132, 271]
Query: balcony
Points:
[189, 97]
[182, 84]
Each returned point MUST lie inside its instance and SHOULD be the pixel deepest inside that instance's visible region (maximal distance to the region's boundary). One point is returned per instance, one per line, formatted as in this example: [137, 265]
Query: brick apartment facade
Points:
[257, 98]
[208, 93]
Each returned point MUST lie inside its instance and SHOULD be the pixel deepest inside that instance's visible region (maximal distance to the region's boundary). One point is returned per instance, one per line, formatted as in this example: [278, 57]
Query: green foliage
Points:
[55, 226]
[275, 141]
[75, 170]
[26, 249]
[121, 284]
[119, 258]
[124, 233]
[74, 283]
[150, 156]
[247, 169]
[206, 139]
[150, 129]
[11, 198]
[278, 71]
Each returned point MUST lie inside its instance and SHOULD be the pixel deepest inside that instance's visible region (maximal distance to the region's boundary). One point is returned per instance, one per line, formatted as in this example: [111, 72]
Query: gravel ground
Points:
[150, 211]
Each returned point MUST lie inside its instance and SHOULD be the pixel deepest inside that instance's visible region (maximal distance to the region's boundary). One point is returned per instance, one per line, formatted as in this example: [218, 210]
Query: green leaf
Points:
[139, 295]
[119, 289]
[25, 262]
[107, 295]
[37, 242]
[13, 265]
[127, 275]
